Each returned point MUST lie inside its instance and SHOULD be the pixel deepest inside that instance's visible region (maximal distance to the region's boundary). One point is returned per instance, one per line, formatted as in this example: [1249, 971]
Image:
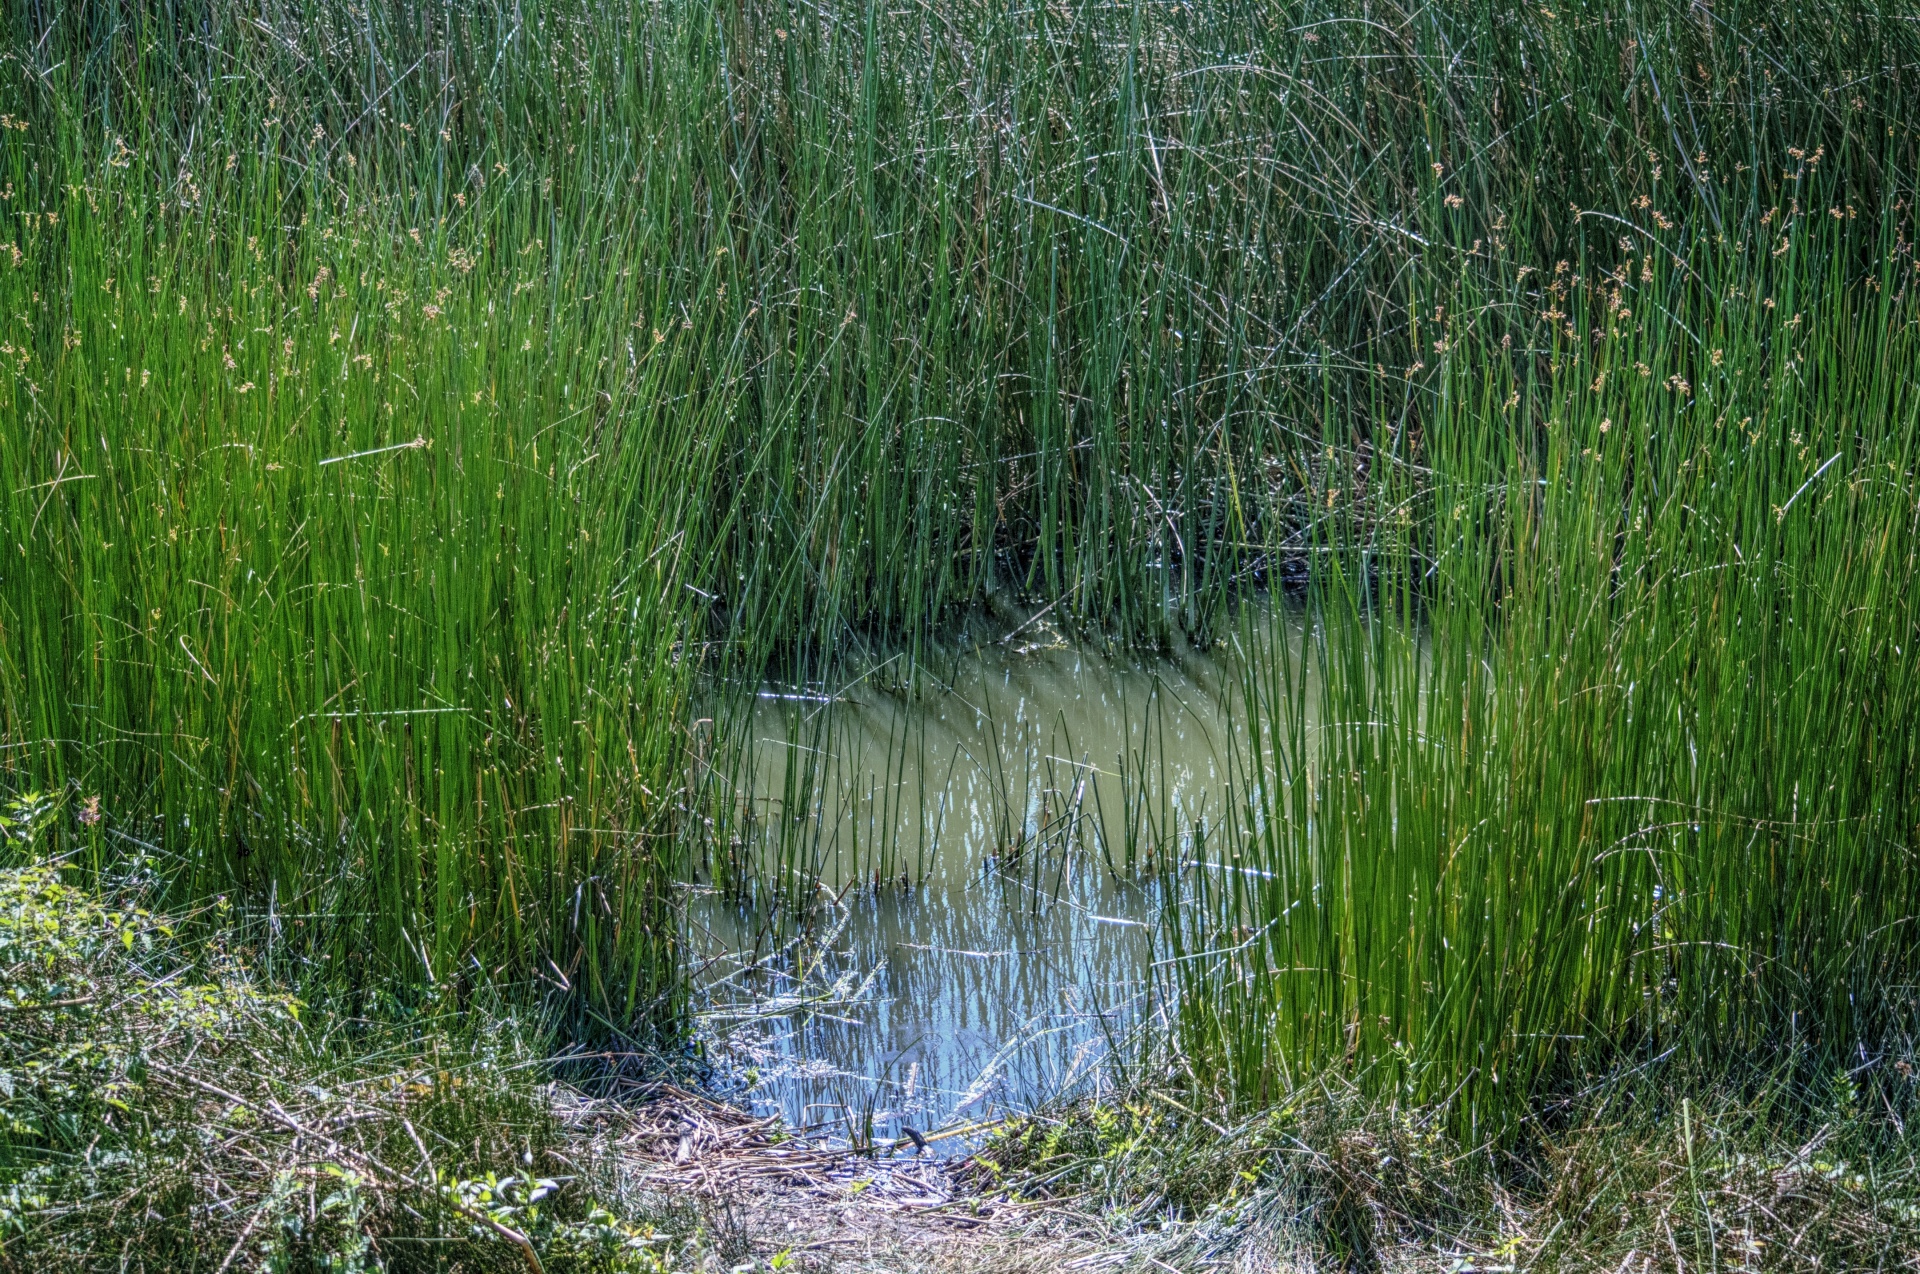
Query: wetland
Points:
[1237, 636]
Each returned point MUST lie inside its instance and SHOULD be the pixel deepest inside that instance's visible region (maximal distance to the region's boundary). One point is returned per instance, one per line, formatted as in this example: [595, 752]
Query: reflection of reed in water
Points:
[937, 895]
[991, 756]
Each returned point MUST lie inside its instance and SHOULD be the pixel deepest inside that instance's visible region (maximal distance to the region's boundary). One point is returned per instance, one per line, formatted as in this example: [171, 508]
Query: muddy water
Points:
[976, 841]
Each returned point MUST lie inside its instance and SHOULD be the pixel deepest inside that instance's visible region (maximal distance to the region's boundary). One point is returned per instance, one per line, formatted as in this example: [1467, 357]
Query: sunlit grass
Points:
[343, 567]
[1606, 753]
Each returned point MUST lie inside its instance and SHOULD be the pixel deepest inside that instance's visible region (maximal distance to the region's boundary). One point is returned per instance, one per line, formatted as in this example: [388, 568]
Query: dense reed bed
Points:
[340, 561]
[1604, 752]
[406, 404]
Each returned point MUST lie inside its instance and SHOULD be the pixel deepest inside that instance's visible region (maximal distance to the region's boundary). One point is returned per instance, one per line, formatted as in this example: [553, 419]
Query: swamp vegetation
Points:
[432, 433]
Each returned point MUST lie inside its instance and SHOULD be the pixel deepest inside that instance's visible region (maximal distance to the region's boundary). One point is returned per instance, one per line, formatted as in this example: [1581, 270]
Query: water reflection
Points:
[976, 842]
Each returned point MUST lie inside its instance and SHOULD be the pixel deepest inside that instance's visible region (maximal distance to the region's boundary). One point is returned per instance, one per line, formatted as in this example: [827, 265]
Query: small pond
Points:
[973, 842]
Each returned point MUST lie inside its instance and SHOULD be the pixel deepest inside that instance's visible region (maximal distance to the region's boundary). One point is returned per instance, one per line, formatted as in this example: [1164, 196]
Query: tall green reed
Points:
[1060, 302]
[1610, 751]
[342, 553]
[1047, 301]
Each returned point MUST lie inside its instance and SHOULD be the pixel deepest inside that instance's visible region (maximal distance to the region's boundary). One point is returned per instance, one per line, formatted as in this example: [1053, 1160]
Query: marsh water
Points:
[968, 906]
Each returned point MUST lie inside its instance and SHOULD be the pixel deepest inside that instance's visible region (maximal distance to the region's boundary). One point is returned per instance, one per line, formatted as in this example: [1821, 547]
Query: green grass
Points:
[1606, 748]
[338, 565]
[168, 1106]
[408, 406]
[397, 668]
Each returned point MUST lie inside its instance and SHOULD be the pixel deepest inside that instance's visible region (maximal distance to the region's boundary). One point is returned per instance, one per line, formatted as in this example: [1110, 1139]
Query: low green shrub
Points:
[164, 1107]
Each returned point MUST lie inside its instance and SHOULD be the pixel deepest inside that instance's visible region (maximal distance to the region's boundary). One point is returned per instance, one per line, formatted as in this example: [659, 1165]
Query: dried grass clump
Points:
[1636, 1177]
